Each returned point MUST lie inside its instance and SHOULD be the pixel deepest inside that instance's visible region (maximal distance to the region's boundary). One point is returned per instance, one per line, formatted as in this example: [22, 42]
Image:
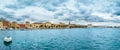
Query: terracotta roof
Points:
[22, 25]
[37, 23]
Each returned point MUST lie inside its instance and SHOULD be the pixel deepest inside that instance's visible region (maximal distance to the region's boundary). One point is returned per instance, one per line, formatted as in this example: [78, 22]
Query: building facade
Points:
[14, 25]
[27, 25]
[21, 26]
[1, 24]
[6, 24]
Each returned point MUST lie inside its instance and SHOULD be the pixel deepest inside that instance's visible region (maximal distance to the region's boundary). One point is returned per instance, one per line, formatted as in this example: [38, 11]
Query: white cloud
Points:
[105, 16]
[37, 13]
[3, 3]
[72, 9]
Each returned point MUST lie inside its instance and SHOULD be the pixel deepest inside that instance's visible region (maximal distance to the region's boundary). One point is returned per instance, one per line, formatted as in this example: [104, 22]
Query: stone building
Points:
[14, 25]
[27, 25]
[4, 24]
[89, 25]
[48, 25]
[37, 25]
[1, 24]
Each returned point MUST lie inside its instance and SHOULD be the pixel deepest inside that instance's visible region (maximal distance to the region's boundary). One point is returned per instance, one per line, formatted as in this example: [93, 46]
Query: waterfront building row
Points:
[47, 25]
[27, 25]
[36, 25]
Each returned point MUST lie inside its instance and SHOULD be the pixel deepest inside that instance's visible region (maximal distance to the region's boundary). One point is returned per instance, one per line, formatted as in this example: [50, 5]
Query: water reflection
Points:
[7, 43]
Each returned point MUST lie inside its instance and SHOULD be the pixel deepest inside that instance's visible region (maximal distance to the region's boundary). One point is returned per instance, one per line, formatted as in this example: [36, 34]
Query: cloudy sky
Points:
[61, 10]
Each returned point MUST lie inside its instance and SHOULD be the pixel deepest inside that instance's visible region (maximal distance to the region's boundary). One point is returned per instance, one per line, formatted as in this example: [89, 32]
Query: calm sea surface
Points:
[63, 39]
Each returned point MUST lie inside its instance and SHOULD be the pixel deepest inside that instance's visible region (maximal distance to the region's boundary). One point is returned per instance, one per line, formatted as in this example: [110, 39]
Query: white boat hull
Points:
[7, 39]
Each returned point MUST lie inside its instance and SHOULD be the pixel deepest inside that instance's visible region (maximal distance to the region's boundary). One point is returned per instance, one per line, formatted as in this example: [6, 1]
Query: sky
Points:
[76, 11]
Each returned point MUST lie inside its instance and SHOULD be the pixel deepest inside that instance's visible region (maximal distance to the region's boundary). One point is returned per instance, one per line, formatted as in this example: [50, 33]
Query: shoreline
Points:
[51, 28]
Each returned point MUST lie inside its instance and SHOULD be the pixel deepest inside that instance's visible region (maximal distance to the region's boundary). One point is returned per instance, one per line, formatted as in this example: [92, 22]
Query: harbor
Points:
[59, 24]
[8, 25]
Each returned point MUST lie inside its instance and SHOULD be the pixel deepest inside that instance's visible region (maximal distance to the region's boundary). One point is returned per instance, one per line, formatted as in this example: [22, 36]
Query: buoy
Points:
[8, 39]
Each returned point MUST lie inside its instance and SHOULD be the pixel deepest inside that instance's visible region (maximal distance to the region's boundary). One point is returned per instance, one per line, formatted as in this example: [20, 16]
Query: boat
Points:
[8, 39]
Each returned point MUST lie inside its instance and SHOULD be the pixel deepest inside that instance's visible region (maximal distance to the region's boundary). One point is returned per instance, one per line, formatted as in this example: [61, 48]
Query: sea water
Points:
[62, 39]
